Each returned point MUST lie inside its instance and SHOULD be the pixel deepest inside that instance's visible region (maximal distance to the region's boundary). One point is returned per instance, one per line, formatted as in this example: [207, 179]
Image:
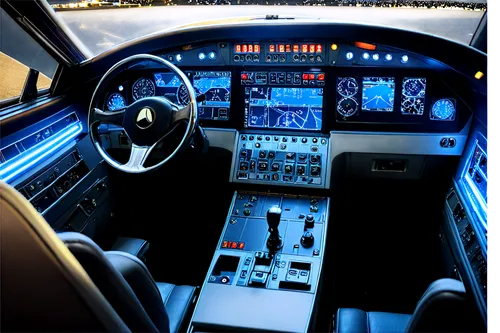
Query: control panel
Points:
[310, 79]
[279, 53]
[287, 160]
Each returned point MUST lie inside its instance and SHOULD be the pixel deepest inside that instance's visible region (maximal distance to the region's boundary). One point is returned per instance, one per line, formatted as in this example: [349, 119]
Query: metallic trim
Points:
[192, 123]
[221, 137]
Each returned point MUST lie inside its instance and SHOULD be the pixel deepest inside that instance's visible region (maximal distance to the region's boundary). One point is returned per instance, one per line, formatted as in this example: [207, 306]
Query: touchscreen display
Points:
[217, 89]
[378, 94]
[287, 108]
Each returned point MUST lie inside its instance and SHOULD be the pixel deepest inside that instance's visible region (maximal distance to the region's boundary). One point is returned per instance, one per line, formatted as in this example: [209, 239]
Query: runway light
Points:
[388, 57]
[178, 57]
[404, 59]
[201, 56]
[349, 55]
[366, 55]
[32, 156]
[212, 55]
[375, 56]
[479, 75]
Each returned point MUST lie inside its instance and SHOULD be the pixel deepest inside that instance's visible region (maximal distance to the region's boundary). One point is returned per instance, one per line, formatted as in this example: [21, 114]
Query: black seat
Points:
[442, 308]
[68, 283]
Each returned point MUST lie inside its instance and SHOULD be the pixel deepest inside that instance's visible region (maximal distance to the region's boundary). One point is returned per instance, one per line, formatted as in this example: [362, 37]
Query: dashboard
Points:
[296, 85]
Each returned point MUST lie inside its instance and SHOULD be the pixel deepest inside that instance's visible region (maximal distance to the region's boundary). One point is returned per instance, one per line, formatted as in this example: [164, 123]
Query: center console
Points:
[267, 265]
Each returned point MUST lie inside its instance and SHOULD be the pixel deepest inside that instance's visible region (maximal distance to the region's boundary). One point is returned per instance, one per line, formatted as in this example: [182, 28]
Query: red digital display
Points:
[311, 76]
[288, 48]
[238, 48]
[244, 48]
[272, 48]
[312, 47]
[234, 245]
[319, 48]
[224, 244]
[281, 48]
[256, 48]
[296, 48]
[304, 48]
[250, 48]
[241, 245]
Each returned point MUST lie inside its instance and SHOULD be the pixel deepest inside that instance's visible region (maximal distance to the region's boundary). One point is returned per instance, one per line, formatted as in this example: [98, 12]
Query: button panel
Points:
[310, 79]
[287, 160]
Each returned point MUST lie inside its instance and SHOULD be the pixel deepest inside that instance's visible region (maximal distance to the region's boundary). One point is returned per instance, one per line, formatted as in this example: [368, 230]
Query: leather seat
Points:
[66, 283]
[442, 308]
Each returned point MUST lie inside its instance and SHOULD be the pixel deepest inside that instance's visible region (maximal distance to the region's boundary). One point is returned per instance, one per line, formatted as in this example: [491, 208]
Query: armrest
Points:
[134, 246]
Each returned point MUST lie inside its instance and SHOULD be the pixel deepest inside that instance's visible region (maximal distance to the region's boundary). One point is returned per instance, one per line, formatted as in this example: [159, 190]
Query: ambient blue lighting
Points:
[375, 56]
[349, 55]
[202, 56]
[366, 55]
[29, 158]
[388, 57]
[404, 59]
[212, 55]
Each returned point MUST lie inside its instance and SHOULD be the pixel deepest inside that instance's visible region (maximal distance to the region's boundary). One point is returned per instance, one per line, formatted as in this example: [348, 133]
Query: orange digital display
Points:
[312, 47]
[244, 48]
[281, 48]
[319, 48]
[272, 48]
[304, 48]
[238, 48]
[296, 48]
[288, 48]
[256, 48]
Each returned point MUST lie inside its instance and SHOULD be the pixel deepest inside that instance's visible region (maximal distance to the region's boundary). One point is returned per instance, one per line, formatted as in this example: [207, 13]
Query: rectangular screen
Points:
[285, 108]
[217, 89]
[378, 94]
[413, 96]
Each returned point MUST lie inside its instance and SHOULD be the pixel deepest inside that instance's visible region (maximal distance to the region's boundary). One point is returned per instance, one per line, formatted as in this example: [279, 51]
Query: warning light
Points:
[250, 48]
[305, 76]
[319, 48]
[238, 48]
[241, 245]
[224, 244]
[288, 48]
[272, 48]
[304, 48]
[334, 47]
[234, 245]
[311, 76]
[281, 48]
[244, 48]
[295, 48]
[321, 77]
[312, 48]
[479, 75]
[244, 76]
[256, 48]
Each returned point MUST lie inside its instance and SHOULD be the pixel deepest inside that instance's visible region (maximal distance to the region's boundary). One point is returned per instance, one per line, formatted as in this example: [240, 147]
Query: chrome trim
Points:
[192, 122]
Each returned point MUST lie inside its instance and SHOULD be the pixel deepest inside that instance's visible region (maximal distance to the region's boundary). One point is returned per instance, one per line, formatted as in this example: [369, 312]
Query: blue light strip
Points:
[29, 158]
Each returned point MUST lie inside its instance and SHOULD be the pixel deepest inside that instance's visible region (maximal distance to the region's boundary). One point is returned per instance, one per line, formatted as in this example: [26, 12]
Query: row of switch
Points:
[315, 170]
[294, 139]
[245, 154]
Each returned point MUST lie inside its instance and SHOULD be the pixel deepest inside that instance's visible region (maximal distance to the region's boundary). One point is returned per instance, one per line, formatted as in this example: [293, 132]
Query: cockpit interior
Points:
[266, 175]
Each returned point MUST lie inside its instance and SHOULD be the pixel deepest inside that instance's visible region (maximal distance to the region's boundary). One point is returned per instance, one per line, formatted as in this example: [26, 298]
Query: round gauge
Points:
[347, 87]
[444, 109]
[143, 88]
[347, 107]
[182, 95]
[412, 105]
[115, 102]
[414, 87]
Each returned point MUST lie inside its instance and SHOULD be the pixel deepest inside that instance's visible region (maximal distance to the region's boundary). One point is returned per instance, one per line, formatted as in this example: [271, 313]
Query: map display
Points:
[290, 108]
[378, 94]
[413, 96]
[217, 89]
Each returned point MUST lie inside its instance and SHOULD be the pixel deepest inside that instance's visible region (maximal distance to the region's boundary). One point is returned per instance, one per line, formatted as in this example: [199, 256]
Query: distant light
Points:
[178, 57]
[349, 55]
[479, 75]
[366, 55]
[212, 55]
[334, 47]
[201, 56]
[375, 56]
[388, 57]
[120, 88]
[404, 59]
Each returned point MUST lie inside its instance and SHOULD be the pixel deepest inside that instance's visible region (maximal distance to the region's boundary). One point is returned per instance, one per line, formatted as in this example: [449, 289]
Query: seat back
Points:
[43, 287]
[442, 308]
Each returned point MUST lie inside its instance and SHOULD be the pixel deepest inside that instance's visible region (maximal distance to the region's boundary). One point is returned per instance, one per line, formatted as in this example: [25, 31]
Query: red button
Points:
[321, 77]
[311, 76]
[305, 76]
[241, 245]
[244, 76]
[224, 244]
[234, 245]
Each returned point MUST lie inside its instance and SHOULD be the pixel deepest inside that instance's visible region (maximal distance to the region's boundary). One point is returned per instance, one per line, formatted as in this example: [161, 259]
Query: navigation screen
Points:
[290, 108]
[171, 87]
[378, 94]
[217, 89]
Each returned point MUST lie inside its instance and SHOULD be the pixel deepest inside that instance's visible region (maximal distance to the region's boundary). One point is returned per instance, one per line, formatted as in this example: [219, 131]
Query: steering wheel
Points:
[146, 122]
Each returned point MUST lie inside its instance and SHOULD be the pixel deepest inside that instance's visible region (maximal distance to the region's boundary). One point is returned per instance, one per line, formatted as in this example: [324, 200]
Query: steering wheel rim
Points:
[145, 117]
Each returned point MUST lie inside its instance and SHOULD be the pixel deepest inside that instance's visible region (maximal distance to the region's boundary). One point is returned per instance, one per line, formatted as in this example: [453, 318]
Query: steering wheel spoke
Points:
[138, 156]
[181, 113]
[109, 117]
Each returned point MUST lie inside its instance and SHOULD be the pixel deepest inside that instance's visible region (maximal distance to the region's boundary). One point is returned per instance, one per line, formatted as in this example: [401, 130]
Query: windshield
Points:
[101, 25]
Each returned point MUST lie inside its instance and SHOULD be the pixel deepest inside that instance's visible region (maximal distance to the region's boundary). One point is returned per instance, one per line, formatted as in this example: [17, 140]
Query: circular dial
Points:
[182, 95]
[347, 87]
[444, 109]
[143, 88]
[414, 87]
[116, 102]
[412, 106]
[347, 107]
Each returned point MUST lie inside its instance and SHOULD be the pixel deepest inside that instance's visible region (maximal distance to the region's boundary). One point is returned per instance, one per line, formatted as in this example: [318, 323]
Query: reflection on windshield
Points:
[101, 25]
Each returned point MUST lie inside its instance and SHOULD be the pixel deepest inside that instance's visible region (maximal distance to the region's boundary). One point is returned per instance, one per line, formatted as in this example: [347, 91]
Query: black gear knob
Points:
[274, 217]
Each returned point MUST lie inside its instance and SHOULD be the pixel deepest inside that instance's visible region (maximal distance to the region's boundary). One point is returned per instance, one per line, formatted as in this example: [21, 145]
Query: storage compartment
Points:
[385, 165]
[225, 269]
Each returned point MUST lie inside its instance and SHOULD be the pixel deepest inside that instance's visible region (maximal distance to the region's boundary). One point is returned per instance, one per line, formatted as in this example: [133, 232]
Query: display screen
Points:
[289, 108]
[413, 96]
[215, 85]
[378, 94]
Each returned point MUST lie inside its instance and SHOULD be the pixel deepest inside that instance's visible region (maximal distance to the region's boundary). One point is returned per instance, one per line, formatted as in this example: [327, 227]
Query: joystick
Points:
[274, 242]
[307, 239]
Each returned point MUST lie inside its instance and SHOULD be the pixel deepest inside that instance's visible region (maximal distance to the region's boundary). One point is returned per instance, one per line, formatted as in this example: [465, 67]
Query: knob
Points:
[307, 239]
[309, 221]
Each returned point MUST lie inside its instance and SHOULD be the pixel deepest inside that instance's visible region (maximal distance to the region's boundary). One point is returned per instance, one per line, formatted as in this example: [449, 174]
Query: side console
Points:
[266, 269]
[286, 160]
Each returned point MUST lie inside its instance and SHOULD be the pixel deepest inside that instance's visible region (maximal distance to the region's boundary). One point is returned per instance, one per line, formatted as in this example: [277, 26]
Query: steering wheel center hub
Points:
[145, 118]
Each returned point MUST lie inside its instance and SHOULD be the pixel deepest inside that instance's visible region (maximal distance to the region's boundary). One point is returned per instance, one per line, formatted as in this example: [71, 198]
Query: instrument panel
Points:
[291, 85]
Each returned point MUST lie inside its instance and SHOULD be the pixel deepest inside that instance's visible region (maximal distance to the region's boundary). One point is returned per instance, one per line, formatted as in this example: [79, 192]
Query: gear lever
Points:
[274, 242]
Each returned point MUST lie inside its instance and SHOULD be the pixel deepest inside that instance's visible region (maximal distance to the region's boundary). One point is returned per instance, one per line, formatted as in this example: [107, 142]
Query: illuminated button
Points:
[212, 55]
[244, 76]
[202, 56]
[315, 140]
[120, 88]
[334, 47]
[311, 76]
[321, 77]
[305, 76]
[366, 55]
[375, 56]
[224, 244]
[388, 57]
[404, 59]
[349, 55]
[241, 245]
[224, 279]
[304, 140]
[178, 57]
